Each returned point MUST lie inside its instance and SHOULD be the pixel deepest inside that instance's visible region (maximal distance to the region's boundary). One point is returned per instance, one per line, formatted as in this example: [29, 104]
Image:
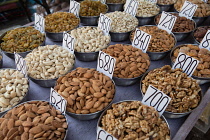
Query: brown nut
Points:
[200, 32]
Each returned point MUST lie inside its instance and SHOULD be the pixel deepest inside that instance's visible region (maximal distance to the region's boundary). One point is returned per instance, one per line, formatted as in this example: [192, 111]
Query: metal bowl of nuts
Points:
[47, 63]
[87, 91]
[1, 58]
[115, 5]
[199, 33]
[183, 27]
[166, 5]
[161, 42]
[130, 116]
[39, 118]
[184, 91]
[57, 23]
[21, 40]
[202, 72]
[13, 88]
[89, 41]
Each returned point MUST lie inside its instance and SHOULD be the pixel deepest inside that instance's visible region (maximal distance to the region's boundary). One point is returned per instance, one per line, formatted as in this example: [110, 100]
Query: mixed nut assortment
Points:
[33, 120]
[183, 90]
[89, 39]
[86, 90]
[130, 61]
[166, 2]
[131, 120]
[201, 54]
[200, 32]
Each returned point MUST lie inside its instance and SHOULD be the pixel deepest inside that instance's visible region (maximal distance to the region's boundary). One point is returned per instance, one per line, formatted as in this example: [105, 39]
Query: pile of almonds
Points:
[33, 120]
[130, 61]
[86, 90]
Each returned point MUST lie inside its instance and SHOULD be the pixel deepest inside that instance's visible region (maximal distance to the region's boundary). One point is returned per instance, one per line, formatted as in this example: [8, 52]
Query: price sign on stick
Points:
[106, 64]
[131, 7]
[188, 10]
[187, 63]
[68, 42]
[39, 23]
[205, 43]
[74, 8]
[141, 40]
[104, 24]
[58, 101]
[21, 64]
[167, 21]
[156, 99]
[103, 135]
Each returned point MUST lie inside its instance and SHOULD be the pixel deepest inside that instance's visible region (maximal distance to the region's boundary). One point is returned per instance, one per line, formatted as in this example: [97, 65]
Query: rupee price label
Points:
[104, 24]
[205, 43]
[68, 42]
[187, 63]
[167, 21]
[141, 40]
[102, 1]
[188, 10]
[131, 7]
[74, 8]
[156, 99]
[39, 23]
[58, 101]
[103, 135]
[106, 64]
[21, 64]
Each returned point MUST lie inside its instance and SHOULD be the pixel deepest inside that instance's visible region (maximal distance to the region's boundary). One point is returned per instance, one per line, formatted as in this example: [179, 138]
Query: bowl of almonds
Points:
[87, 91]
[34, 120]
[184, 91]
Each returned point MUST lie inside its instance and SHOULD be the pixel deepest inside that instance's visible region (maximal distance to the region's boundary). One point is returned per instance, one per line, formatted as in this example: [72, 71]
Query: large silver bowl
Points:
[165, 8]
[119, 36]
[145, 20]
[168, 114]
[110, 106]
[115, 6]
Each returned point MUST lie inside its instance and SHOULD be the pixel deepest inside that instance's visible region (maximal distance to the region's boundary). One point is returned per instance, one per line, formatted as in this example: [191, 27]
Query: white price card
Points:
[205, 43]
[21, 64]
[167, 21]
[106, 64]
[39, 23]
[205, 1]
[188, 10]
[74, 8]
[187, 63]
[102, 1]
[103, 135]
[131, 7]
[58, 101]
[153, 1]
[68, 42]
[141, 40]
[156, 98]
[104, 24]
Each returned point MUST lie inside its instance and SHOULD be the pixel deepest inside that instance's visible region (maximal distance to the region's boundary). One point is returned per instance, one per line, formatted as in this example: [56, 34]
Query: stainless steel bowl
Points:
[119, 36]
[126, 81]
[110, 106]
[165, 8]
[115, 7]
[199, 20]
[1, 58]
[55, 36]
[168, 114]
[145, 20]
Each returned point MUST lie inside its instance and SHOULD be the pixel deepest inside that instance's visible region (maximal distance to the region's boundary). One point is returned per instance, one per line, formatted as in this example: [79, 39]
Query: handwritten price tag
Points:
[58, 101]
[156, 99]
[167, 21]
[103, 135]
[141, 40]
[74, 8]
[205, 43]
[187, 63]
[21, 64]
[131, 7]
[106, 64]
[102, 1]
[39, 23]
[104, 24]
[68, 42]
[188, 10]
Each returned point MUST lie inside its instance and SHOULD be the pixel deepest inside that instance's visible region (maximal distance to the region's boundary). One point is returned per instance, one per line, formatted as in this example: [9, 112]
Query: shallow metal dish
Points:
[115, 6]
[145, 20]
[119, 36]
[165, 8]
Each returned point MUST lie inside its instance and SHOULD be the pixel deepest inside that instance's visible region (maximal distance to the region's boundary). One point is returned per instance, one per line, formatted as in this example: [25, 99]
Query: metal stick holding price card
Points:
[157, 99]
[188, 10]
[205, 43]
[141, 40]
[104, 24]
[58, 101]
[21, 64]
[39, 23]
[106, 64]
[187, 63]
[167, 21]
[68, 42]
[74, 8]
[103, 135]
[131, 7]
